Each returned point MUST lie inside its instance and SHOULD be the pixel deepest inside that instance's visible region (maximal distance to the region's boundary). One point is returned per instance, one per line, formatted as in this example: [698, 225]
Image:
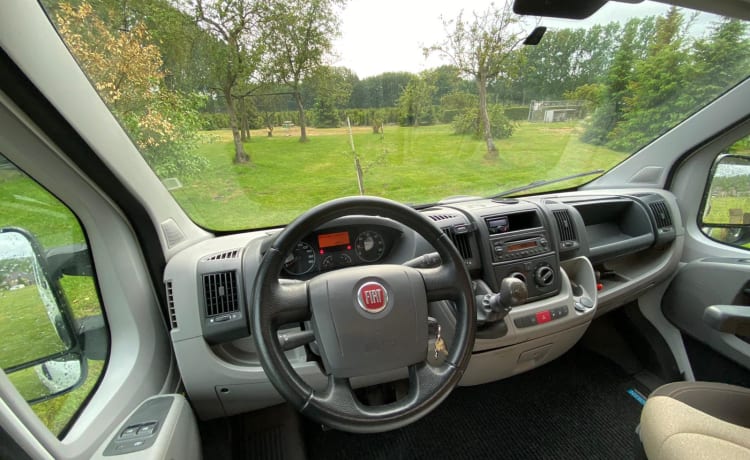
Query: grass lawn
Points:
[411, 165]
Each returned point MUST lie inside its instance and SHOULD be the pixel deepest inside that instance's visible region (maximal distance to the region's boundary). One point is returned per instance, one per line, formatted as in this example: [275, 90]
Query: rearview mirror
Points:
[40, 348]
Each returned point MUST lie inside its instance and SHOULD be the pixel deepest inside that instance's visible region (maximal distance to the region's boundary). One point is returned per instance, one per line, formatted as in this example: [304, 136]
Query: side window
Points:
[54, 337]
[726, 205]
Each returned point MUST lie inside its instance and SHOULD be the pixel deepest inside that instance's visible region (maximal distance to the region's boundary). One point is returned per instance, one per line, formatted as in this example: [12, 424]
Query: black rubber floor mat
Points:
[274, 433]
[573, 408]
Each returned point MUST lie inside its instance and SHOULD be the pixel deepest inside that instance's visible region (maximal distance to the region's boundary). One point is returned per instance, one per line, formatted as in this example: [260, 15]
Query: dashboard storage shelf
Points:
[615, 227]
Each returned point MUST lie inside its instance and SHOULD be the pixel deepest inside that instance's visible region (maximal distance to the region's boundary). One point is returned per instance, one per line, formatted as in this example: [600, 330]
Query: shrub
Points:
[519, 113]
[468, 122]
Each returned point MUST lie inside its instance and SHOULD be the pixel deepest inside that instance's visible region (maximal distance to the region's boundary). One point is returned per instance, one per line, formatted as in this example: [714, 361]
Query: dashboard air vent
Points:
[220, 291]
[661, 214]
[439, 217]
[461, 242]
[565, 225]
[231, 254]
[170, 306]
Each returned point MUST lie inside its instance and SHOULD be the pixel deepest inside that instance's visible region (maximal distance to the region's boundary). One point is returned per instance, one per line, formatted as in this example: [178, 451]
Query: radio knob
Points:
[544, 275]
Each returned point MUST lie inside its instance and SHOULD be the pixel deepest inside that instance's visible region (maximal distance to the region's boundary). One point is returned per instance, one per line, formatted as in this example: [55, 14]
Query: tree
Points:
[655, 96]
[610, 110]
[721, 59]
[331, 88]
[299, 35]
[235, 24]
[268, 101]
[480, 48]
[127, 72]
[379, 91]
[415, 103]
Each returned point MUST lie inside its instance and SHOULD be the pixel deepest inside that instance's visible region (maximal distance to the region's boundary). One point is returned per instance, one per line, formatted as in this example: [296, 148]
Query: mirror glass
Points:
[728, 202]
[50, 378]
[31, 324]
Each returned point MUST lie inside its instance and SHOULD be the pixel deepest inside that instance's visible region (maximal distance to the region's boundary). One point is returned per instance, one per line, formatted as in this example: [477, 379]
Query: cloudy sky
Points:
[388, 35]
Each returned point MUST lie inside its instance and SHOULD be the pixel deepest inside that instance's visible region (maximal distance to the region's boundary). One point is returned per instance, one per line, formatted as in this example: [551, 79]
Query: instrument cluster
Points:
[335, 248]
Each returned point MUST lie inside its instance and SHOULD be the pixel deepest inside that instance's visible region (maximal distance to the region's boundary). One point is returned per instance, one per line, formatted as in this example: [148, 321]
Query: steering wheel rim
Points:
[274, 305]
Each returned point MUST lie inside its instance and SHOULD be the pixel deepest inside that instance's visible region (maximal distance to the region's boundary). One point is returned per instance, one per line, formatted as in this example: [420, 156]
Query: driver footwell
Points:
[577, 406]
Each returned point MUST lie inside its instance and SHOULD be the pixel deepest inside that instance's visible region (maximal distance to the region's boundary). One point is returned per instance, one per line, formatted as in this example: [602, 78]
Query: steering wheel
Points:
[365, 320]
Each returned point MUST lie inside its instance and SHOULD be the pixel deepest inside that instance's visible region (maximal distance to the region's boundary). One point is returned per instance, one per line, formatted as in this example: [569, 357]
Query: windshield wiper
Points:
[540, 183]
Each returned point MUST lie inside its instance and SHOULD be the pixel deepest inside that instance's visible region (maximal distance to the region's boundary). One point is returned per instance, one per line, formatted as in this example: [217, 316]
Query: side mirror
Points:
[40, 351]
[726, 207]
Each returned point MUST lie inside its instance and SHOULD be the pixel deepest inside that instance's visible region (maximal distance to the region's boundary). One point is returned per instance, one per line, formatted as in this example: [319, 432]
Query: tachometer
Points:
[370, 246]
[300, 260]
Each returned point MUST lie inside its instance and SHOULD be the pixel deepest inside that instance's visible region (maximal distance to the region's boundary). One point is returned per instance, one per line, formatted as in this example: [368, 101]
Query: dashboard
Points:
[579, 254]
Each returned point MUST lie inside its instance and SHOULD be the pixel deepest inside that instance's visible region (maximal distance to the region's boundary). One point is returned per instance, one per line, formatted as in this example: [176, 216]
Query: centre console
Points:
[515, 237]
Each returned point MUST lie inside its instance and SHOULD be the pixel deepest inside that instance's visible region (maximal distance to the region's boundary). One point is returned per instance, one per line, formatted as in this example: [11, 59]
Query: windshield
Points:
[251, 111]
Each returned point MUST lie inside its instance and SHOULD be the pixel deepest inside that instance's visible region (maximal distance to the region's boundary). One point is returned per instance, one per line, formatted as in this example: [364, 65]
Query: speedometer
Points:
[370, 246]
[300, 260]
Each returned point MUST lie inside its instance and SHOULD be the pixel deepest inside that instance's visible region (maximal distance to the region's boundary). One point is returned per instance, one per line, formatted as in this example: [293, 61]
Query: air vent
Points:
[220, 291]
[170, 306]
[461, 242]
[661, 214]
[565, 225]
[439, 217]
[231, 254]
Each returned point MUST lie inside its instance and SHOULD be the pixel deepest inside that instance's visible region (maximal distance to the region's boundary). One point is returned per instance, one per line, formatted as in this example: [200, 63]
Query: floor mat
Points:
[575, 407]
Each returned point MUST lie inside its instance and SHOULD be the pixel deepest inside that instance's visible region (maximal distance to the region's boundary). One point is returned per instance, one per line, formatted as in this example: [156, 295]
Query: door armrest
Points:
[732, 319]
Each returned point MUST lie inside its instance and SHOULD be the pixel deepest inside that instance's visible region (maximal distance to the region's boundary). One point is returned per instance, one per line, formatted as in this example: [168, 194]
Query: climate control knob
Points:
[544, 275]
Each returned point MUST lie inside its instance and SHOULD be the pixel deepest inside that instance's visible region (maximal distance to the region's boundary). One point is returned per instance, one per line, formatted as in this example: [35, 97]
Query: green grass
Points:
[412, 165]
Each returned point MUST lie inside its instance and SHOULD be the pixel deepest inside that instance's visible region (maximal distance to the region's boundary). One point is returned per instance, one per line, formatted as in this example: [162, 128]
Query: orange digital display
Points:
[523, 245]
[328, 240]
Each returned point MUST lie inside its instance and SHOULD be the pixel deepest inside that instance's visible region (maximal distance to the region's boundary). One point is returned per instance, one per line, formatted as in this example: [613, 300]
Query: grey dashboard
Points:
[580, 255]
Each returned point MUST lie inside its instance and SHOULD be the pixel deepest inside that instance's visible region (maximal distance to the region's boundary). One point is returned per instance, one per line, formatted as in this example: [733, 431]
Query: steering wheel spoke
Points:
[339, 395]
[425, 378]
[288, 303]
[440, 283]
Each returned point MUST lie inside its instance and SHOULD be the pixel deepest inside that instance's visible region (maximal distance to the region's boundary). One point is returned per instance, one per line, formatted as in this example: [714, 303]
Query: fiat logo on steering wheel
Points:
[372, 297]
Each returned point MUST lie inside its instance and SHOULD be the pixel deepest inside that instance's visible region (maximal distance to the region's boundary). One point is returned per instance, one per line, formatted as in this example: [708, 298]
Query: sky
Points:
[388, 35]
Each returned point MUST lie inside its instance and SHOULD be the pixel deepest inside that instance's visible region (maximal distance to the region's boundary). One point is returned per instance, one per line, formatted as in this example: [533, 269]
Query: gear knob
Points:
[512, 292]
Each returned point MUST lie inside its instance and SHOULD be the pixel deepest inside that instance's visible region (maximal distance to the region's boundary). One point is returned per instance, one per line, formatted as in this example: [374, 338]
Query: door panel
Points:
[706, 282]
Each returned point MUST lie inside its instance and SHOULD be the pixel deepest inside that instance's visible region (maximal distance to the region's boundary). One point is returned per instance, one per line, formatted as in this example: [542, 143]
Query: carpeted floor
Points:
[576, 407]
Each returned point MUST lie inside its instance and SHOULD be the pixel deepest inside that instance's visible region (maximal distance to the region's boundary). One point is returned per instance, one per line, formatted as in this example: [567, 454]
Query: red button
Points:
[543, 317]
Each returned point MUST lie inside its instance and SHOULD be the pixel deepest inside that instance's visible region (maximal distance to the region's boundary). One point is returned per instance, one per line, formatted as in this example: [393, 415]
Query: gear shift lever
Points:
[494, 307]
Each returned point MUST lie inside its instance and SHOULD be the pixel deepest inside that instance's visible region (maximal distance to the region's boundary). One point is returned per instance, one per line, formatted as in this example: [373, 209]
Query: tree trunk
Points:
[302, 120]
[484, 117]
[240, 156]
[244, 131]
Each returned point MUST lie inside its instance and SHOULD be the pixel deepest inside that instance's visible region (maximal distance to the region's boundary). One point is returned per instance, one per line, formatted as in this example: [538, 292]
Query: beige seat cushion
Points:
[673, 428]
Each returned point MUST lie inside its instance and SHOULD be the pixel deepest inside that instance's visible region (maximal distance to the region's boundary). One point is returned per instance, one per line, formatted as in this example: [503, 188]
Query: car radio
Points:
[503, 250]
[521, 248]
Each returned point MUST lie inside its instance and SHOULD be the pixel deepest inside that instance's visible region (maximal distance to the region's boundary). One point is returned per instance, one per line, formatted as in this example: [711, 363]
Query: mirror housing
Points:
[726, 206]
[41, 353]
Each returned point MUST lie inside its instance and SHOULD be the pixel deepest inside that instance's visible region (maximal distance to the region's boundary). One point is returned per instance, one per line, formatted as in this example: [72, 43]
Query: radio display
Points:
[498, 225]
[522, 245]
[327, 240]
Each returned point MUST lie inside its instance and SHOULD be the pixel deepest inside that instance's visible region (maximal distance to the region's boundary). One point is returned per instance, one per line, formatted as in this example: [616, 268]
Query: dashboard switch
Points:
[147, 430]
[543, 317]
[129, 432]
